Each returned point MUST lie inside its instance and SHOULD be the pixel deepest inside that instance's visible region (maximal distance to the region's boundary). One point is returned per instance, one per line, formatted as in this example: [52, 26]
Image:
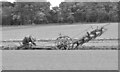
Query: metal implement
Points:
[67, 43]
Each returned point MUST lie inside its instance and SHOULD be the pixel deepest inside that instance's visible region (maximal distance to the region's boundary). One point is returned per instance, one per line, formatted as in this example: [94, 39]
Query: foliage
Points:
[92, 11]
[81, 11]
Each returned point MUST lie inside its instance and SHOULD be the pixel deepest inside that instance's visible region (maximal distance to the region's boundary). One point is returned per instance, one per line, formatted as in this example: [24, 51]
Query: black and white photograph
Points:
[59, 34]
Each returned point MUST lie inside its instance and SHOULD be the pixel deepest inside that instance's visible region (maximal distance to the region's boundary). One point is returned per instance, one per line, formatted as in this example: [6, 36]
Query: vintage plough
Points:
[68, 43]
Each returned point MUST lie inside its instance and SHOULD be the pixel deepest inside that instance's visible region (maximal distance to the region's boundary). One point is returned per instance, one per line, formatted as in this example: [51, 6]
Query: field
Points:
[51, 32]
[60, 59]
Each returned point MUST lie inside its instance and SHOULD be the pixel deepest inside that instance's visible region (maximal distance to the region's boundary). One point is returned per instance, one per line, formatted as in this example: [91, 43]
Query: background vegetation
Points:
[81, 12]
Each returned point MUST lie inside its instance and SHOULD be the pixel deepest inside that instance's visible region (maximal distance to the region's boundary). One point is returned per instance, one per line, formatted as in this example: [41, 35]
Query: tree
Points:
[6, 14]
[118, 12]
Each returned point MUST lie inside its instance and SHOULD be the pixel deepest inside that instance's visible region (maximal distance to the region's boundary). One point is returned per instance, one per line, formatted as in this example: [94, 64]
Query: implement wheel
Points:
[63, 43]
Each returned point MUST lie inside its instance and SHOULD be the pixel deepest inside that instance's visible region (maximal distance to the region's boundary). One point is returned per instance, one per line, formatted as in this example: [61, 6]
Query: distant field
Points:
[52, 31]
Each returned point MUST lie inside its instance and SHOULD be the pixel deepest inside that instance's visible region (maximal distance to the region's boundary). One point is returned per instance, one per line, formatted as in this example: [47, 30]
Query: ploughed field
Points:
[46, 34]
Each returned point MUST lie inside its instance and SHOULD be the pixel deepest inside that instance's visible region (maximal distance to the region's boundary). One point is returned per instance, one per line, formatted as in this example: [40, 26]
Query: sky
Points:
[53, 2]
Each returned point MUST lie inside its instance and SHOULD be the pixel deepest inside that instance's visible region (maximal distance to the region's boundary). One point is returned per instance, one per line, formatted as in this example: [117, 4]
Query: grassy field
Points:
[52, 31]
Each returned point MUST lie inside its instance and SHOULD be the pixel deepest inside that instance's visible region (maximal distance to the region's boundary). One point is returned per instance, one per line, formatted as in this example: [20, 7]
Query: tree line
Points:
[34, 12]
[92, 11]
